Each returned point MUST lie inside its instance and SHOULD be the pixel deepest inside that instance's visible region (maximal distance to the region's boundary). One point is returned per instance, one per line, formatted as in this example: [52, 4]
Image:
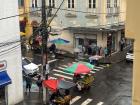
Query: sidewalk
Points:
[33, 98]
[117, 56]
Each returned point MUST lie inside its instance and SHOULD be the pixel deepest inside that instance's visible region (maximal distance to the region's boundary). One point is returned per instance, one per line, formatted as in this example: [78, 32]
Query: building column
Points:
[117, 40]
[102, 17]
[136, 75]
[28, 28]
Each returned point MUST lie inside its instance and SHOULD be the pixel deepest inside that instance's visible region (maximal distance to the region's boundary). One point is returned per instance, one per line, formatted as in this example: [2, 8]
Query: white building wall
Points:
[9, 31]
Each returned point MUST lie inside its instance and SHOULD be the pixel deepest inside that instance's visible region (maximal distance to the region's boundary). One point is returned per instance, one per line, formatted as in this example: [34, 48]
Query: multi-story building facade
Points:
[11, 83]
[94, 22]
[25, 26]
[133, 32]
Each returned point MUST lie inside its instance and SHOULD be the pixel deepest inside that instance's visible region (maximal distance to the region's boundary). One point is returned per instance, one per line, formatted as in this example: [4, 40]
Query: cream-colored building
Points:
[133, 31]
[81, 22]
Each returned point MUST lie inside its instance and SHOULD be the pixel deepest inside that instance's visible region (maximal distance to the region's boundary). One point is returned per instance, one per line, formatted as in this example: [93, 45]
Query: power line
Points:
[81, 11]
[19, 15]
[9, 49]
[84, 11]
[55, 13]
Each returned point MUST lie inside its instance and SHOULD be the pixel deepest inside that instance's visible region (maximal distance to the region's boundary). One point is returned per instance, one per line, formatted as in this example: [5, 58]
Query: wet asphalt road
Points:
[112, 86]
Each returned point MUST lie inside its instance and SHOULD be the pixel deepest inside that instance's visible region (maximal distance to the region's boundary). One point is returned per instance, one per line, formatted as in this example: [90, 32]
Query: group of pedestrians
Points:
[101, 51]
[29, 81]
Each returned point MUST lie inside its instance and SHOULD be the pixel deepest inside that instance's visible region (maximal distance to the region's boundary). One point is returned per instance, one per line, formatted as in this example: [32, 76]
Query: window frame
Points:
[71, 4]
[108, 4]
[115, 3]
[21, 3]
[51, 3]
[92, 4]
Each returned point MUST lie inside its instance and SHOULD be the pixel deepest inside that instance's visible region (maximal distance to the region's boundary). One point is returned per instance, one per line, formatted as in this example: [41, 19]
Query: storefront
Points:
[85, 40]
[4, 81]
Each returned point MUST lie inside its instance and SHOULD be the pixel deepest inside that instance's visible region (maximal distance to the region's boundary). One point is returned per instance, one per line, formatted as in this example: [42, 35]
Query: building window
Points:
[115, 3]
[21, 3]
[81, 41]
[33, 4]
[51, 3]
[92, 3]
[36, 3]
[70, 3]
[108, 4]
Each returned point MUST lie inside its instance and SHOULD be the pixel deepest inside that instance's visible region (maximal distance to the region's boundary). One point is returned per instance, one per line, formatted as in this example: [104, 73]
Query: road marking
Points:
[62, 72]
[74, 62]
[63, 76]
[99, 67]
[100, 103]
[75, 99]
[61, 68]
[93, 72]
[87, 101]
[65, 65]
[96, 69]
[102, 65]
[50, 61]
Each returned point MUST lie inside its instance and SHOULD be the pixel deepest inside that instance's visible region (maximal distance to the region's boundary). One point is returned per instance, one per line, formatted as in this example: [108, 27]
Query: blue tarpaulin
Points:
[4, 79]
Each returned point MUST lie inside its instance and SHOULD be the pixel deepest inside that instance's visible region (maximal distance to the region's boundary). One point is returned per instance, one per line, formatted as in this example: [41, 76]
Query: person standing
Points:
[105, 52]
[39, 83]
[28, 83]
[122, 44]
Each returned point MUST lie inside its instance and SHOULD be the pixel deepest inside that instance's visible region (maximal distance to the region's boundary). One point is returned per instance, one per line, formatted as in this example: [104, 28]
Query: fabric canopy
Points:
[80, 67]
[59, 41]
[4, 79]
[54, 84]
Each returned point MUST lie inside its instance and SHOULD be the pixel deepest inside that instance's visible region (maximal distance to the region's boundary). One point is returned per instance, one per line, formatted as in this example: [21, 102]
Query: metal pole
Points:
[44, 33]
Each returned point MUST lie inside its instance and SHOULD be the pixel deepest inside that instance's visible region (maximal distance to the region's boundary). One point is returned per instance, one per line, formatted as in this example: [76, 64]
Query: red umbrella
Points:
[51, 84]
[54, 84]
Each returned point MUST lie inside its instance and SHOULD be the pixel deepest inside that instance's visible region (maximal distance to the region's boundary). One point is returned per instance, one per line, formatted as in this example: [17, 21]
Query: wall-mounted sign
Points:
[3, 65]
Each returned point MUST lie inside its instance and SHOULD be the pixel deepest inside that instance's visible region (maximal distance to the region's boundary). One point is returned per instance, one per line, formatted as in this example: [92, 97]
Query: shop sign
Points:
[3, 65]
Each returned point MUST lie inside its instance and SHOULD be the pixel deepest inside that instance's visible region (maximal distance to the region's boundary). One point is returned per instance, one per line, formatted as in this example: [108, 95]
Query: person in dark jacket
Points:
[39, 83]
[28, 83]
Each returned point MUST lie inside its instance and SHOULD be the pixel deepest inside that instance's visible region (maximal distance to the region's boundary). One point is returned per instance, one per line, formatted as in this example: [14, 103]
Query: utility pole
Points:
[44, 33]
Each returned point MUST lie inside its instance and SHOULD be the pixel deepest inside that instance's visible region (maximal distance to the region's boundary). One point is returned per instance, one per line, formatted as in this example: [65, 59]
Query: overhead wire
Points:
[66, 9]
[9, 49]
[82, 11]
[56, 12]
[19, 14]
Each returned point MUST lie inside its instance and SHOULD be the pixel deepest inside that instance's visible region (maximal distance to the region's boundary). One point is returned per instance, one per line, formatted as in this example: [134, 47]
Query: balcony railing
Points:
[109, 11]
[36, 13]
[71, 12]
[91, 13]
[116, 10]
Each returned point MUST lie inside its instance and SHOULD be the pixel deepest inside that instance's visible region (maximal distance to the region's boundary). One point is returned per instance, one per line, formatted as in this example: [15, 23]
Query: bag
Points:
[39, 83]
